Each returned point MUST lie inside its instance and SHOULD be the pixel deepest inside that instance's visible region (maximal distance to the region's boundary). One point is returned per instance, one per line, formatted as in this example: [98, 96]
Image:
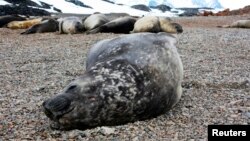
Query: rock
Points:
[227, 12]
[247, 114]
[78, 3]
[107, 130]
[76, 133]
[22, 10]
[162, 7]
[141, 7]
[189, 12]
[24, 2]
[109, 1]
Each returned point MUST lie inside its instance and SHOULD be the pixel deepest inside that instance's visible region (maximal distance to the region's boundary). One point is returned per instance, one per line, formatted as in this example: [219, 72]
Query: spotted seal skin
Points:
[128, 78]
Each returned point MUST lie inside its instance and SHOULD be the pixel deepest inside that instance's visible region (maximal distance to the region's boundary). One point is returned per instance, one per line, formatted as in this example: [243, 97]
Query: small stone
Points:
[247, 114]
[107, 130]
[135, 138]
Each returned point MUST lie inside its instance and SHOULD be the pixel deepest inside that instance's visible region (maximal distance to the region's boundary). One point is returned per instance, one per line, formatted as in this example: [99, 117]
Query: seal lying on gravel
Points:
[49, 25]
[4, 20]
[24, 24]
[128, 78]
[156, 24]
[70, 25]
[119, 25]
[94, 21]
[238, 24]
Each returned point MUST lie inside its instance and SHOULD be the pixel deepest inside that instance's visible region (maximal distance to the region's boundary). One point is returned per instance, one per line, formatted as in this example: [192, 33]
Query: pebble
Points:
[247, 114]
[107, 130]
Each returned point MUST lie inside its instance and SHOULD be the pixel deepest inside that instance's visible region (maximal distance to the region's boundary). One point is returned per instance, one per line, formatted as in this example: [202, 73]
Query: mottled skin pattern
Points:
[119, 25]
[128, 78]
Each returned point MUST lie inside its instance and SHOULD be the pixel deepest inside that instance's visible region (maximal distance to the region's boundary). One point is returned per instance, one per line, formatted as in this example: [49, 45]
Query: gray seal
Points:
[4, 20]
[119, 25]
[94, 21]
[70, 25]
[128, 78]
[238, 24]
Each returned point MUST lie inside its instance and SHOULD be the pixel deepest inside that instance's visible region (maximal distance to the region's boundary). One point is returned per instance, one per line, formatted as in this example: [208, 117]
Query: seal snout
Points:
[56, 107]
[178, 27]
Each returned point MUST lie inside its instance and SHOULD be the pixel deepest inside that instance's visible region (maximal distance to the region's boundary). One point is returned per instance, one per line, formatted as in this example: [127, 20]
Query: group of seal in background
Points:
[95, 23]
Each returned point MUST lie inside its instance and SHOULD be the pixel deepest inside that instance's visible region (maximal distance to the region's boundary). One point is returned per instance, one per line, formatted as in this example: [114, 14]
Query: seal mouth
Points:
[55, 122]
[55, 116]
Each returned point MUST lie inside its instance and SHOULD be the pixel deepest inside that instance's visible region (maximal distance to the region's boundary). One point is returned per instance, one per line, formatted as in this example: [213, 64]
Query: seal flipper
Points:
[28, 31]
[31, 30]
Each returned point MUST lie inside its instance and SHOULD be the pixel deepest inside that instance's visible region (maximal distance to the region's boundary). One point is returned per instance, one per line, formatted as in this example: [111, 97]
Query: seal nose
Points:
[178, 27]
[56, 107]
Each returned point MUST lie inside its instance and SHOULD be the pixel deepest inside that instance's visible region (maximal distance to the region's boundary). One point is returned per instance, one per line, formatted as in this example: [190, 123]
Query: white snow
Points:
[3, 2]
[105, 7]
[68, 7]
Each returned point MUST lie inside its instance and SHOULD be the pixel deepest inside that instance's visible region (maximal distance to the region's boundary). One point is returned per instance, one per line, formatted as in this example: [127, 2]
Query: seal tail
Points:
[28, 31]
[25, 32]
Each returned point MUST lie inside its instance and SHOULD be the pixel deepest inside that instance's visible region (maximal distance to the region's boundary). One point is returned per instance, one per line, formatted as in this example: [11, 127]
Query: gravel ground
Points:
[216, 83]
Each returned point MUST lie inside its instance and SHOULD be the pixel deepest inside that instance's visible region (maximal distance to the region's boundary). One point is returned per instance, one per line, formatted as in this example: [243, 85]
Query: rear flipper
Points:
[28, 31]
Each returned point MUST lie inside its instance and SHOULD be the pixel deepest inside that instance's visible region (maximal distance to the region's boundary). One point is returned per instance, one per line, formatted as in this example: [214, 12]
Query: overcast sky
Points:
[235, 3]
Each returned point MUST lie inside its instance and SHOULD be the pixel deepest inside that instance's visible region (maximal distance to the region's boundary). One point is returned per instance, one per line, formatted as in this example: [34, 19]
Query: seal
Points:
[119, 25]
[4, 20]
[49, 25]
[70, 25]
[94, 21]
[238, 24]
[24, 24]
[156, 24]
[127, 78]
